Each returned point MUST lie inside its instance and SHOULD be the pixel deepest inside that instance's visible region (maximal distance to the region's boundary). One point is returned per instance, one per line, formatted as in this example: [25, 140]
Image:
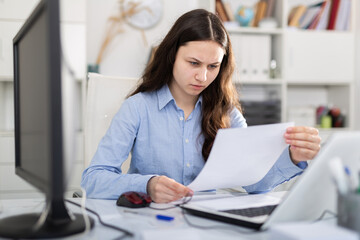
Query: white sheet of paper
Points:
[241, 156]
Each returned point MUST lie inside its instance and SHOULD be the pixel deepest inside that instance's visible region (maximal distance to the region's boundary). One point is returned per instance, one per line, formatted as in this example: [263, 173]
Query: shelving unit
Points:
[314, 69]
[13, 14]
[297, 85]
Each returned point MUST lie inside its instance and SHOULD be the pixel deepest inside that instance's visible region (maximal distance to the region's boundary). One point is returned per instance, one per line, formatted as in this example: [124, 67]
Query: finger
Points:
[302, 137]
[176, 187]
[301, 129]
[315, 146]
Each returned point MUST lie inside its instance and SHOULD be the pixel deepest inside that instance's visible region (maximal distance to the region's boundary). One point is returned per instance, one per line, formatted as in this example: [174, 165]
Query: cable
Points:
[40, 222]
[121, 237]
[185, 201]
[127, 233]
[323, 215]
[83, 210]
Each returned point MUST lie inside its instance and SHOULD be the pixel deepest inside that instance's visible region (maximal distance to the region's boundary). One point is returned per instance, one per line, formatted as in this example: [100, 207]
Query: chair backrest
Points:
[105, 95]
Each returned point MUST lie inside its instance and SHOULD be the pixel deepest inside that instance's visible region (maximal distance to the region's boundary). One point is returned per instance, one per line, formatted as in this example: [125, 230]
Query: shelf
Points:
[6, 78]
[11, 79]
[318, 83]
[5, 133]
[333, 130]
[260, 82]
[312, 31]
[253, 30]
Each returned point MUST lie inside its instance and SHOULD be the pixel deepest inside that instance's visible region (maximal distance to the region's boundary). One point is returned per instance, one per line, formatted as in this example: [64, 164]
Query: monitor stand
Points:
[58, 223]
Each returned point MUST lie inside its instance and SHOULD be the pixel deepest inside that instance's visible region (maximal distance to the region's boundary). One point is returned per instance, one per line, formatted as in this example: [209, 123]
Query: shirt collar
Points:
[165, 96]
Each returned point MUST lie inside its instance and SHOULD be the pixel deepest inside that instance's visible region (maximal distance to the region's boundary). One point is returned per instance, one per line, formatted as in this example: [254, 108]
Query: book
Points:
[252, 22]
[220, 10]
[318, 16]
[333, 14]
[229, 11]
[270, 8]
[343, 15]
[324, 19]
[260, 12]
[310, 14]
[295, 15]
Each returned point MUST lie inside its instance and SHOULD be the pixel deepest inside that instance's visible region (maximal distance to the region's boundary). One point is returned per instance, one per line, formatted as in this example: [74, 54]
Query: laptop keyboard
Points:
[253, 212]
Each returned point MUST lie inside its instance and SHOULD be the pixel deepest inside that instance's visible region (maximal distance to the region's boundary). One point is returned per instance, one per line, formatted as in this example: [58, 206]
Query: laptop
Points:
[312, 195]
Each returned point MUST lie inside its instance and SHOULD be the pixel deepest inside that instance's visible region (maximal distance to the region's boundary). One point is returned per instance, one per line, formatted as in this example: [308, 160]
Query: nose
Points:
[201, 75]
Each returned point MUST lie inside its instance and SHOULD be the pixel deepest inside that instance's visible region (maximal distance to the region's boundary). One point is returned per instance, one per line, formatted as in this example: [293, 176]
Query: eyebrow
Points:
[197, 60]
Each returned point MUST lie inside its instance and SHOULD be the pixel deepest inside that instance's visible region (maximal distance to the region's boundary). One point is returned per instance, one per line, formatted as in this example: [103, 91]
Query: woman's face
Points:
[196, 66]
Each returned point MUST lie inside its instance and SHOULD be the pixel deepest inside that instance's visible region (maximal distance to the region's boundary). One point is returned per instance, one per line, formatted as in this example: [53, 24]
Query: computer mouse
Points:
[133, 200]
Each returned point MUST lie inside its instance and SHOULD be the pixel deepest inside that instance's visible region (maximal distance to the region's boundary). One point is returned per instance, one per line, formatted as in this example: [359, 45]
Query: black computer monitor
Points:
[39, 138]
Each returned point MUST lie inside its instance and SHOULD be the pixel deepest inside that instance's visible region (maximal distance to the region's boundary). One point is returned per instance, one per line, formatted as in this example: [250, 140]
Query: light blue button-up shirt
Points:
[153, 128]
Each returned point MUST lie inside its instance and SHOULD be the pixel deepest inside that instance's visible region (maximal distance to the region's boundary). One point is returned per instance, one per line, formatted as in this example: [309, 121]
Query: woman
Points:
[170, 121]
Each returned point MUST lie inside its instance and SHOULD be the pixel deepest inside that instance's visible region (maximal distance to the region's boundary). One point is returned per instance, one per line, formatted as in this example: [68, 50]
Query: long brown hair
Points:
[220, 97]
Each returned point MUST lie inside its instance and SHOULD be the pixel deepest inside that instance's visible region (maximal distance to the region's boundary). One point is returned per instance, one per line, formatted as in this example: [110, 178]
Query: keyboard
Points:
[253, 212]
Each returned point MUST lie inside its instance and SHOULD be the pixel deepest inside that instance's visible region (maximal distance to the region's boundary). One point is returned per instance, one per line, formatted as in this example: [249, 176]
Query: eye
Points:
[194, 63]
[213, 66]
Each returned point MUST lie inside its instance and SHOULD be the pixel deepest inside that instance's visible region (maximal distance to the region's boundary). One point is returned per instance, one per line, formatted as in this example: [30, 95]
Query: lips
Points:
[197, 86]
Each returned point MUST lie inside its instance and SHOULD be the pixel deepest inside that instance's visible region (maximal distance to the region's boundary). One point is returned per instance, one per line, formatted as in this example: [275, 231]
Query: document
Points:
[241, 156]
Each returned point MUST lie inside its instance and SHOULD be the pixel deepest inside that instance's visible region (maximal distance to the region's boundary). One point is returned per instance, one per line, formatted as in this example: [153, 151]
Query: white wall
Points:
[129, 43]
[357, 73]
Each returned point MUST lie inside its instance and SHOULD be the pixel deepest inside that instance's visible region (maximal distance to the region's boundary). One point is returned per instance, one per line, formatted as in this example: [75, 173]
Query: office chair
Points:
[105, 95]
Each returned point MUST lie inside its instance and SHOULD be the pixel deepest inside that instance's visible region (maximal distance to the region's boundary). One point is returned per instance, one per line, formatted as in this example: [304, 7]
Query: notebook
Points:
[313, 193]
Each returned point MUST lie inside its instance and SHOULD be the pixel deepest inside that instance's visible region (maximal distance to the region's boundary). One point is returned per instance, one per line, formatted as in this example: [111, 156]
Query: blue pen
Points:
[164, 218]
[339, 175]
[351, 179]
[158, 216]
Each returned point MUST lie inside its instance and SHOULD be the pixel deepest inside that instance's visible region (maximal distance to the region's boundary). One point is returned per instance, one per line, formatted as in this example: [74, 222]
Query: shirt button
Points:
[181, 118]
[188, 165]
[187, 140]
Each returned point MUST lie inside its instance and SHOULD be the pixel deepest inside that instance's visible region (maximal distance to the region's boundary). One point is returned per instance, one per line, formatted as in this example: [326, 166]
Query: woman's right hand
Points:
[163, 189]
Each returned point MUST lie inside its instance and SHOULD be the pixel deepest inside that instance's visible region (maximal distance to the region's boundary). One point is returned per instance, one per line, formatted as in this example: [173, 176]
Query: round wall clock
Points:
[143, 14]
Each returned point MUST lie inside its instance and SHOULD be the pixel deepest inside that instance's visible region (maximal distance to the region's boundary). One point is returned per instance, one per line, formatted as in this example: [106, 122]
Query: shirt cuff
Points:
[286, 167]
[302, 164]
[143, 184]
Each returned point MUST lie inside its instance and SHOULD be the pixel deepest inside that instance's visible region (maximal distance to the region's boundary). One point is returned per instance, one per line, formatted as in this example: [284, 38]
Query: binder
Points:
[252, 55]
[245, 57]
[262, 56]
[236, 46]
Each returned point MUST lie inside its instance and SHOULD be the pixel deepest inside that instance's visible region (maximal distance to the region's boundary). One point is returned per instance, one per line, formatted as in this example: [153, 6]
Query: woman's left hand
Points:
[304, 143]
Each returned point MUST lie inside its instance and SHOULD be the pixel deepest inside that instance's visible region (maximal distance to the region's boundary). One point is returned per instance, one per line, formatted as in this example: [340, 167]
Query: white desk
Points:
[144, 227]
